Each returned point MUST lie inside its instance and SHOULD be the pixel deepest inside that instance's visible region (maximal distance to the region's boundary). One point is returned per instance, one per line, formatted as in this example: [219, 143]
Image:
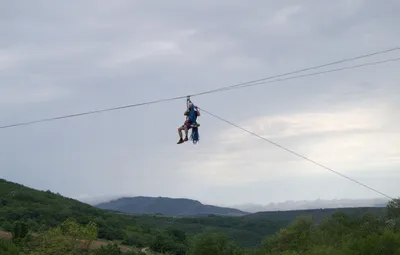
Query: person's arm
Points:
[198, 111]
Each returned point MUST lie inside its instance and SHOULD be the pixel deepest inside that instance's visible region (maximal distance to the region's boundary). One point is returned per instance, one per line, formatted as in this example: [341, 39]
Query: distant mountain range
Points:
[189, 207]
[167, 206]
[49, 208]
[313, 204]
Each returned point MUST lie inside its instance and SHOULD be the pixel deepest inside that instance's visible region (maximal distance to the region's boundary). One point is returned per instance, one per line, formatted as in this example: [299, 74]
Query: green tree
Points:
[20, 230]
[74, 231]
[109, 249]
[387, 243]
[68, 238]
[393, 208]
[8, 248]
[296, 237]
[7, 226]
[162, 243]
[213, 243]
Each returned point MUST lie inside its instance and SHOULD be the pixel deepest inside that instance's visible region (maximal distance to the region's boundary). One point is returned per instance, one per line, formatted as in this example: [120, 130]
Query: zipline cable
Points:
[91, 112]
[307, 75]
[293, 152]
[301, 70]
[237, 86]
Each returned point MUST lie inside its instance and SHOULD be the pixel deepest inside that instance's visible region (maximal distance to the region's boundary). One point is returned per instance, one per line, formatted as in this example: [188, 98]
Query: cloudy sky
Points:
[63, 57]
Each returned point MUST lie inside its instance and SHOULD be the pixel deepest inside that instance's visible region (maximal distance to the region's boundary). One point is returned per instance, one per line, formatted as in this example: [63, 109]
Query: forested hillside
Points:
[46, 215]
[38, 209]
[167, 206]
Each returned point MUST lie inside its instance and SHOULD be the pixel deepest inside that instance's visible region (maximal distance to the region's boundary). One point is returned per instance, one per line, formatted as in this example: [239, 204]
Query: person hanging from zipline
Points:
[191, 113]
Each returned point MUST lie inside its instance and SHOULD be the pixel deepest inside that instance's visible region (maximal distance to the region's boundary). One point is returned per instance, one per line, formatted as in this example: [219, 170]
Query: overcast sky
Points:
[62, 57]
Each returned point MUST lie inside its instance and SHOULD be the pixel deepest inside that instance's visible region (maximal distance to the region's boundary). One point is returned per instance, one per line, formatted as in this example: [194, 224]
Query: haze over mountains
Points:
[313, 204]
[189, 207]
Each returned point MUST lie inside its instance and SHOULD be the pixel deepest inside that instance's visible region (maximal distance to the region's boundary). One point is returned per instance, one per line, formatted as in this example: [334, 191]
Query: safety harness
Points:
[192, 116]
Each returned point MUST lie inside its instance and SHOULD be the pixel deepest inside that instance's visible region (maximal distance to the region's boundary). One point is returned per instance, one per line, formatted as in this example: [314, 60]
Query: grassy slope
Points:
[95, 245]
[40, 208]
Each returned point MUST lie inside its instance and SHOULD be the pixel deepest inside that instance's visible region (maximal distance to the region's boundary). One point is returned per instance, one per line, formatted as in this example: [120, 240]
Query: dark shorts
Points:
[187, 124]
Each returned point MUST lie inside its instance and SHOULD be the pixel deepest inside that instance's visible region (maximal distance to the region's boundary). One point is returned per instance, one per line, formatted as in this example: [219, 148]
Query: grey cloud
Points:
[68, 57]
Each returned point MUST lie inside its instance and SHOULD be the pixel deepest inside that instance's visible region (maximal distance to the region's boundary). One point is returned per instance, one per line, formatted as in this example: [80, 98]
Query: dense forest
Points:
[47, 223]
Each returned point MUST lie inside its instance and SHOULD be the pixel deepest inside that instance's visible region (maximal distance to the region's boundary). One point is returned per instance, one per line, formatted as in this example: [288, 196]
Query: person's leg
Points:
[180, 134]
[180, 131]
[186, 133]
[187, 127]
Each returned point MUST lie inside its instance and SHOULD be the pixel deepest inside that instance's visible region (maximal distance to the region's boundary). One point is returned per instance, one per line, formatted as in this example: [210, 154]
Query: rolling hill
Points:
[167, 206]
[44, 209]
